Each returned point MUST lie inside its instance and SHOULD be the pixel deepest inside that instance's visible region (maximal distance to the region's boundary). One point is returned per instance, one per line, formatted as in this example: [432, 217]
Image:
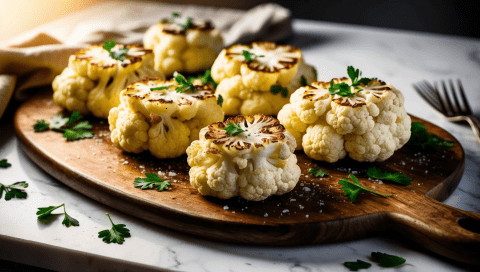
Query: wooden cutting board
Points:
[316, 211]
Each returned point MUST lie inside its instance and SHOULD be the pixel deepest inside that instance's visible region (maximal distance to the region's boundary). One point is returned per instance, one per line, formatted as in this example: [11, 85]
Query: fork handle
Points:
[475, 124]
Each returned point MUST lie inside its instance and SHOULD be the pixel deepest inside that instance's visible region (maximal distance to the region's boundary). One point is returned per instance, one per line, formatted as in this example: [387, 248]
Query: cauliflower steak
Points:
[92, 82]
[153, 115]
[253, 161]
[259, 77]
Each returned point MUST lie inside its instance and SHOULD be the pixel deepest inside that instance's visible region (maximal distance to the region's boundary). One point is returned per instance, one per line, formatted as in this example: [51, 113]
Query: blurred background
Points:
[455, 17]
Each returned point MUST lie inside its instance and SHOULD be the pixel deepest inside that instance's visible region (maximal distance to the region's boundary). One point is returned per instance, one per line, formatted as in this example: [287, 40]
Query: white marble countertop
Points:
[398, 57]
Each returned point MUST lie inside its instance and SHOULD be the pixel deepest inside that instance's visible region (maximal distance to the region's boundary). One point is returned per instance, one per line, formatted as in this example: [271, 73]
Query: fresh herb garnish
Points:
[277, 88]
[250, 56]
[185, 86]
[4, 163]
[420, 137]
[345, 90]
[116, 234]
[316, 74]
[376, 173]
[40, 126]
[46, 216]
[150, 181]
[355, 266]
[353, 189]
[206, 78]
[185, 26]
[118, 54]
[233, 129]
[72, 130]
[13, 190]
[317, 172]
[220, 100]
[386, 260]
[303, 81]
[160, 88]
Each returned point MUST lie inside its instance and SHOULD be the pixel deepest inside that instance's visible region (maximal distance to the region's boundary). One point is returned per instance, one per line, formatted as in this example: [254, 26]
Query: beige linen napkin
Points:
[35, 59]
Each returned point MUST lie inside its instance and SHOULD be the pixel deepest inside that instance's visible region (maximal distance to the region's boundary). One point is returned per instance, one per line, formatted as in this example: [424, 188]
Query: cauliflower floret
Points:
[192, 50]
[92, 82]
[154, 116]
[255, 163]
[263, 84]
[368, 123]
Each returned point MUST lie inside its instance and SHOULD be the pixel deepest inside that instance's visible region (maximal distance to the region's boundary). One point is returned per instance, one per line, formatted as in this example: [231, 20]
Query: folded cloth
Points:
[34, 59]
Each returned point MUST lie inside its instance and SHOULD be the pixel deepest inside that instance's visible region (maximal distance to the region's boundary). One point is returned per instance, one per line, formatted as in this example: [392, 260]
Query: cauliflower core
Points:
[192, 50]
[254, 164]
[92, 82]
[163, 121]
[245, 83]
[369, 126]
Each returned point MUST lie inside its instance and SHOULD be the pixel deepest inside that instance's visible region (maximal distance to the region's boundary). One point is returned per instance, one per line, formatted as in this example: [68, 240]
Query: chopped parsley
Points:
[150, 181]
[118, 54]
[160, 88]
[40, 126]
[185, 85]
[4, 163]
[206, 78]
[420, 137]
[116, 234]
[234, 130]
[250, 56]
[46, 216]
[355, 266]
[277, 88]
[303, 81]
[14, 190]
[317, 172]
[345, 90]
[376, 173]
[386, 260]
[353, 189]
[72, 129]
[185, 26]
[220, 100]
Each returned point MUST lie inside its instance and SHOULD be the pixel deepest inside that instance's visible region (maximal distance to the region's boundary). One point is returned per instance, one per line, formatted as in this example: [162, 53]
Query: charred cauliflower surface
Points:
[254, 164]
[190, 50]
[92, 82]
[246, 73]
[162, 121]
[369, 126]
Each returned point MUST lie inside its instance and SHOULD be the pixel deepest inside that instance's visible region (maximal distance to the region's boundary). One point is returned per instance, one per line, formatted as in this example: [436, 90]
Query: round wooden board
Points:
[316, 211]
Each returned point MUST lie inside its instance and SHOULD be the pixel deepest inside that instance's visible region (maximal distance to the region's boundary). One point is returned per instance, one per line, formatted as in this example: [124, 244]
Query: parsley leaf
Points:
[46, 216]
[386, 260]
[206, 78]
[118, 54]
[373, 172]
[355, 266]
[353, 189]
[72, 130]
[150, 181]
[277, 88]
[345, 90]
[185, 85]
[420, 137]
[250, 56]
[233, 129]
[303, 81]
[4, 163]
[41, 125]
[316, 74]
[116, 234]
[317, 172]
[354, 76]
[160, 88]
[220, 100]
[342, 89]
[14, 190]
[185, 26]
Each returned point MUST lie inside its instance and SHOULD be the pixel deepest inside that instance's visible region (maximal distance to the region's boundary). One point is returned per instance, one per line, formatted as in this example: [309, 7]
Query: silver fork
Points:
[443, 103]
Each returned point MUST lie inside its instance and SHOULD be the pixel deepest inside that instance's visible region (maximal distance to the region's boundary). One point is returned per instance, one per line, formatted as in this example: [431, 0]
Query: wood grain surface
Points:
[316, 211]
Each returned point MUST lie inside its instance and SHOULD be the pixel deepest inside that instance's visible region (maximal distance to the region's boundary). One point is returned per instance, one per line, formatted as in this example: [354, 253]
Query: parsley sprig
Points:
[420, 137]
[303, 81]
[220, 100]
[277, 89]
[116, 234]
[185, 26]
[14, 190]
[4, 163]
[150, 181]
[185, 85]
[118, 54]
[234, 130]
[353, 189]
[345, 90]
[46, 216]
[376, 173]
[386, 260]
[250, 56]
[317, 172]
[73, 130]
[206, 78]
[359, 264]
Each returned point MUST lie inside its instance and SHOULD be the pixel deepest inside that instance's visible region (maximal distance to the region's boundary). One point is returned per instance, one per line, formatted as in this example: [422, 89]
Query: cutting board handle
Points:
[443, 229]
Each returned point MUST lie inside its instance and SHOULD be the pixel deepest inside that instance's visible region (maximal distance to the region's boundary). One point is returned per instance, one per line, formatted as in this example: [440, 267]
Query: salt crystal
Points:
[285, 211]
[225, 207]
[125, 162]
[265, 215]
[306, 216]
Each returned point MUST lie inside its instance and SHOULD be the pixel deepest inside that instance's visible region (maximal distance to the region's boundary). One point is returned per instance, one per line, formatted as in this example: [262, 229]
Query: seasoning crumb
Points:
[225, 207]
